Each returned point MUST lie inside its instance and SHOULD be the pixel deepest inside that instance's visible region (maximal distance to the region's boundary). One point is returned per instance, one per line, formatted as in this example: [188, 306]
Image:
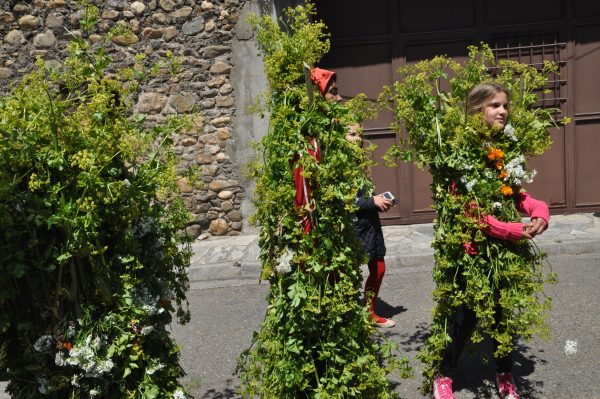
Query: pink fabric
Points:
[533, 207]
[505, 231]
[514, 231]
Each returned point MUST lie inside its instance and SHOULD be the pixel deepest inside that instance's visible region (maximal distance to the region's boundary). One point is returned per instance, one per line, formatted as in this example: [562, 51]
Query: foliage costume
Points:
[315, 339]
[91, 255]
[481, 264]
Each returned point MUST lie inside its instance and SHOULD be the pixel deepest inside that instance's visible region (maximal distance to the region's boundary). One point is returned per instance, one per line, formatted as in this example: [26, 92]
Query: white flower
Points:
[85, 358]
[147, 330]
[148, 302]
[60, 359]
[509, 131]
[152, 369]
[75, 380]
[284, 263]
[179, 394]
[94, 393]
[497, 205]
[516, 172]
[43, 385]
[570, 348]
[468, 183]
[43, 343]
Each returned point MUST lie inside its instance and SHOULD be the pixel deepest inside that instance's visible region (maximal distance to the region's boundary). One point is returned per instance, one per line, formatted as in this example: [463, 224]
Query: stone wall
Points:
[199, 31]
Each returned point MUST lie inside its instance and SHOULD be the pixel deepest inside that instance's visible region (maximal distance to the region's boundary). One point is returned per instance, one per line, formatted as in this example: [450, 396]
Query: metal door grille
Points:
[533, 49]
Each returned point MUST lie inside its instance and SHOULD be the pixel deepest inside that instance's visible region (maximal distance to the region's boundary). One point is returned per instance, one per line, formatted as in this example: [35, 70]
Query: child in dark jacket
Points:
[368, 230]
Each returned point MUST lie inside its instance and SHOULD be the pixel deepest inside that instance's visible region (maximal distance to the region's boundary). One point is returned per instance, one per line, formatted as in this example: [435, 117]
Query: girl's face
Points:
[353, 134]
[332, 93]
[495, 110]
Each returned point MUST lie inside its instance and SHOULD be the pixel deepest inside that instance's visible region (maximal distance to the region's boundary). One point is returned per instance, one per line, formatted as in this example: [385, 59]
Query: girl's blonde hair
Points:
[481, 93]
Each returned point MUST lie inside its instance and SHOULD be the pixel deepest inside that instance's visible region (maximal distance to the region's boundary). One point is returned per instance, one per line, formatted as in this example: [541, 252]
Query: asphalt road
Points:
[223, 319]
[224, 315]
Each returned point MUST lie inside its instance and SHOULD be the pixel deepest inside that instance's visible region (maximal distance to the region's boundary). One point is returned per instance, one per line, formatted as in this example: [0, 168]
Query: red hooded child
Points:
[323, 79]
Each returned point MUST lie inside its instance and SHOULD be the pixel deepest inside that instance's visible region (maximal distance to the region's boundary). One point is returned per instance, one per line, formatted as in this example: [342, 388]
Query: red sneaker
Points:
[442, 387]
[506, 386]
[382, 321]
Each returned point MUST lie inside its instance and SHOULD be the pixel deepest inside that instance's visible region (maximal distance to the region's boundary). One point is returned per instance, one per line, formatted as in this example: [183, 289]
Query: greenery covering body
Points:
[91, 258]
[476, 171]
[315, 341]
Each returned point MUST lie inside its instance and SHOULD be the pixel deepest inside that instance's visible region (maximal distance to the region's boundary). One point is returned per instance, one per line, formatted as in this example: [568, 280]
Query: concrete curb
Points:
[409, 247]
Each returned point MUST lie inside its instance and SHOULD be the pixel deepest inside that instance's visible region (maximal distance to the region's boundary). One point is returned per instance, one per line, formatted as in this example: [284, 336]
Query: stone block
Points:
[14, 37]
[29, 22]
[46, 39]
[183, 102]
[194, 26]
[151, 103]
[138, 7]
[220, 68]
[127, 39]
[55, 20]
[152, 33]
[219, 227]
[183, 12]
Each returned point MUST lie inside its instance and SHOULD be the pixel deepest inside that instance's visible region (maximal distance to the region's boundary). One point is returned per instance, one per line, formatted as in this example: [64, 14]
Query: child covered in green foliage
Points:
[492, 101]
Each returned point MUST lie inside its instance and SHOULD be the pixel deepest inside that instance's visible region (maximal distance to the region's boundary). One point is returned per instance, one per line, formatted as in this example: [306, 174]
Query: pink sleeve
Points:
[505, 231]
[533, 207]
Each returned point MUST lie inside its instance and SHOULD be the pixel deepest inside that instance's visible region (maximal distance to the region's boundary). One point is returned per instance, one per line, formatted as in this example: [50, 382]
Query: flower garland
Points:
[476, 171]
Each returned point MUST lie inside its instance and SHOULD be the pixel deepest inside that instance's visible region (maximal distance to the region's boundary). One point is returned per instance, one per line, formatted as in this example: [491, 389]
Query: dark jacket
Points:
[368, 226]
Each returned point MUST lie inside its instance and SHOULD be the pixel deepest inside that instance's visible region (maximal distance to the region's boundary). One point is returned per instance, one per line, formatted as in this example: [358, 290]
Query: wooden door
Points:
[370, 41]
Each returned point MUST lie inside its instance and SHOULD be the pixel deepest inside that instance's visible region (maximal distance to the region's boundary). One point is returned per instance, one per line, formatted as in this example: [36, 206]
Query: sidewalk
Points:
[225, 258]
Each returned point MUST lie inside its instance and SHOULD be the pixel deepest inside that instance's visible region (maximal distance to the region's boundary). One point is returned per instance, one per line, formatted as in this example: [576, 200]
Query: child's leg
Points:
[503, 364]
[461, 327]
[372, 285]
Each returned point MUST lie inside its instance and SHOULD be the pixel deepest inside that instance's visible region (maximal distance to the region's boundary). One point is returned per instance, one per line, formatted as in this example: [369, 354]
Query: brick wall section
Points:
[201, 32]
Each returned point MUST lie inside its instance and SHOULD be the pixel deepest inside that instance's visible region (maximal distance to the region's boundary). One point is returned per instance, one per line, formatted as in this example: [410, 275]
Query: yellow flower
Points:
[506, 190]
[503, 174]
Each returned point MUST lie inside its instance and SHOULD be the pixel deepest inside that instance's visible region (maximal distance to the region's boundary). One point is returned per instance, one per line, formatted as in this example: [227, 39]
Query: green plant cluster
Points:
[316, 339]
[92, 258]
[476, 171]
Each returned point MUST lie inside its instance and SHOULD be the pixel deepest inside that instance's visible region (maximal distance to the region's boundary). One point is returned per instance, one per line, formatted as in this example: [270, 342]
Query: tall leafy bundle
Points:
[476, 170]
[316, 339]
[90, 255]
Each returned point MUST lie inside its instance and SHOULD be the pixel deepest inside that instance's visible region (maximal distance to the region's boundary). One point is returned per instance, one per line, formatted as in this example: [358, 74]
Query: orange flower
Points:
[506, 190]
[503, 174]
[67, 345]
[495, 154]
[499, 165]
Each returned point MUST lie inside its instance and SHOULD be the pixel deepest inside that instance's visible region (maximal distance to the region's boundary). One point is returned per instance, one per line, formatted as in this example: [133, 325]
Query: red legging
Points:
[373, 283]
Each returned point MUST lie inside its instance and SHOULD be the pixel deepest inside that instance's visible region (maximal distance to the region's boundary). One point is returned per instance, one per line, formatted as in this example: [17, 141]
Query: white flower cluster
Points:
[284, 263]
[179, 394]
[516, 173]
[468, 183]
[43, 385]
[43, 343]
[84, 357]
[509, 131]
[497, 205]
[148, 302]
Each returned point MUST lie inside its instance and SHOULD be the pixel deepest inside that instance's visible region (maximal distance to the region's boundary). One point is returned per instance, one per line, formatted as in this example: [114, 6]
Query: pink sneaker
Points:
[442, 387]
[506, 386]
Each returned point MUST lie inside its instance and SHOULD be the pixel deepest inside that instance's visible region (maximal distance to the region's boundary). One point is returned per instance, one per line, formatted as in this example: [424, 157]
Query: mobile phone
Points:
[390, 197]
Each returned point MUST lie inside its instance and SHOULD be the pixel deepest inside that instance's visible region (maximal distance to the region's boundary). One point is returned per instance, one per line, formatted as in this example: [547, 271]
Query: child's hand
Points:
[535, 227]
[382, 203]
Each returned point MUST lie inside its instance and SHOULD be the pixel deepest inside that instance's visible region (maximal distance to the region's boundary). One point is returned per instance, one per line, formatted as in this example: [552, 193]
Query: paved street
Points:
[223, 318]
[228, 304]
